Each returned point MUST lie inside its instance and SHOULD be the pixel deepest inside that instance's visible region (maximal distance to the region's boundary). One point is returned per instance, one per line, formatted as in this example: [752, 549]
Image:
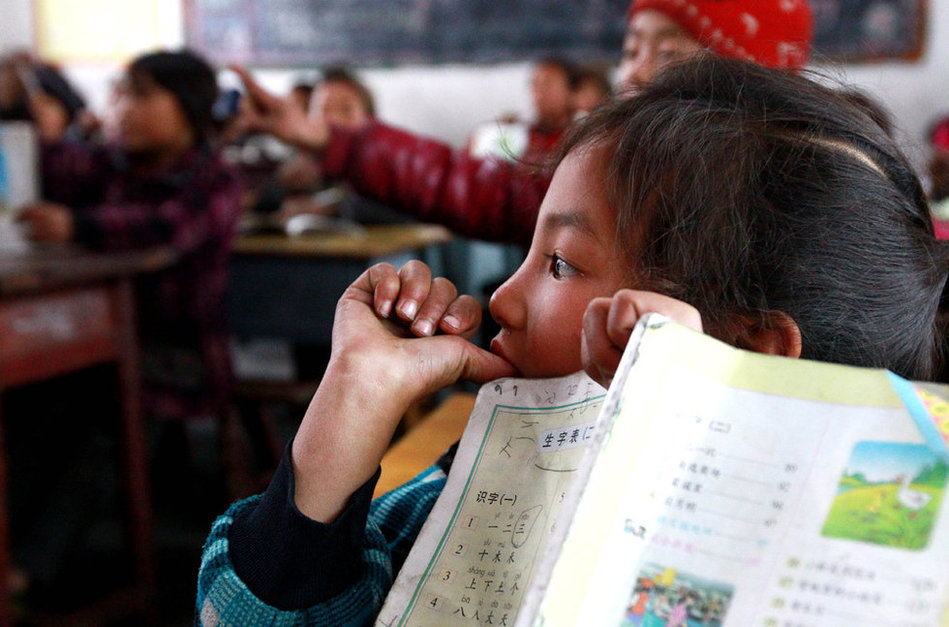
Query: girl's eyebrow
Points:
[570, 219]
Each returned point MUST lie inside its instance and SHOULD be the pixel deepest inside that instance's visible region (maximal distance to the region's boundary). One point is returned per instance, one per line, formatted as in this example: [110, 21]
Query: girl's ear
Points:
[774, 333]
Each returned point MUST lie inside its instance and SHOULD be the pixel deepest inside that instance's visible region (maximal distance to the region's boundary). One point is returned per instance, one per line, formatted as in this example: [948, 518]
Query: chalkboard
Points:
[313, 33]
[390, 32]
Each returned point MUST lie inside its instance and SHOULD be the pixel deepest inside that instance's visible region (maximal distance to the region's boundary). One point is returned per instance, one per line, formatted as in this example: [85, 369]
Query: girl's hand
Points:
[419, 304]
[281, 117]
[387, 352]
[608, 323]
[48, 222]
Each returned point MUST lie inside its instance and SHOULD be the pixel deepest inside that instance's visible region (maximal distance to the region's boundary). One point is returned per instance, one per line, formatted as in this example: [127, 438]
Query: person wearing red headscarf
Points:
[773, 33]
[495, 200]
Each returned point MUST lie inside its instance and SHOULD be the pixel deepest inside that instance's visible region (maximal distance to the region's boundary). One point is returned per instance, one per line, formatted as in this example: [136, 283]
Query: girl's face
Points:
[572, 260]
[653, 41]
[148, 118]
[339, 104]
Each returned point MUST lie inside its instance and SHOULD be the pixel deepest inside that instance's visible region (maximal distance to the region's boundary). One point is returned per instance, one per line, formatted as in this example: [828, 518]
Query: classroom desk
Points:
[286, 287]
[63, 309]
[425, 442]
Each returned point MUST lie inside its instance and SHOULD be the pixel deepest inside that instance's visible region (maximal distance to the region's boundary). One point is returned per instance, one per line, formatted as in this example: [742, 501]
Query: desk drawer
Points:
[45, 323]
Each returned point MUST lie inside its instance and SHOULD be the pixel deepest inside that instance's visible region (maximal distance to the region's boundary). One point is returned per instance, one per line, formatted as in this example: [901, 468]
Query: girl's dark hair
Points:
[744, 191]
[189, 78]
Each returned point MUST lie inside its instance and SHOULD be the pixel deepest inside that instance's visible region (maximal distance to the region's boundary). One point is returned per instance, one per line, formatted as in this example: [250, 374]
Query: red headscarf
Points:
[774, 33]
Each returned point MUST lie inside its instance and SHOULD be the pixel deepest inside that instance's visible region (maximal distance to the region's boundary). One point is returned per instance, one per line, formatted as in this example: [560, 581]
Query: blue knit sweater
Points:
[265, 563]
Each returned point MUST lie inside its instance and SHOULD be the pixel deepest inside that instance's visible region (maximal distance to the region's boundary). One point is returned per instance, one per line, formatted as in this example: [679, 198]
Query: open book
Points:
[709, 486]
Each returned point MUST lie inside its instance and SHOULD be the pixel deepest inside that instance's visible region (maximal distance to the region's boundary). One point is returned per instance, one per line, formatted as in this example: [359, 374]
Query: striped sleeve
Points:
[393, 523]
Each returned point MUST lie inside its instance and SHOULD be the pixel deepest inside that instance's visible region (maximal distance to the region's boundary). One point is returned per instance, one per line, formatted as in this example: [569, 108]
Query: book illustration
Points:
[889, 494]
[667, 597]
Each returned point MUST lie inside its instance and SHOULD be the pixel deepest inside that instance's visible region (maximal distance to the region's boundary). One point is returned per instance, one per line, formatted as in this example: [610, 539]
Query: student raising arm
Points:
[757, 205]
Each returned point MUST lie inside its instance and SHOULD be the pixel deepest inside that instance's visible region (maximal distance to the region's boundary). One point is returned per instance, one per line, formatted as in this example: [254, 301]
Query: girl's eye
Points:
[559, 268]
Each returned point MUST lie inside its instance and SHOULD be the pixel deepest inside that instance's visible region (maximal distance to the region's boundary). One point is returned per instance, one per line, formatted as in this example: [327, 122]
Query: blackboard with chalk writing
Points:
[391, 32]
[313, 33]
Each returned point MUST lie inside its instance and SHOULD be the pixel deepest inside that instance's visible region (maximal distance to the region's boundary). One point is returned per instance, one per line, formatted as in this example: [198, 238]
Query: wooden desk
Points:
[287, 287]
[423, 445]
[63, 309]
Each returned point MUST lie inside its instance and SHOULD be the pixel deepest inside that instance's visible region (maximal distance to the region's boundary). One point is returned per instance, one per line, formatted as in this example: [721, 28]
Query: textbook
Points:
[708, 486]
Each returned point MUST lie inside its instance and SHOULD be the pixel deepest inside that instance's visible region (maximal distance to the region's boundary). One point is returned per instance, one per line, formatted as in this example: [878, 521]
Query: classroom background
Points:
[91, 41]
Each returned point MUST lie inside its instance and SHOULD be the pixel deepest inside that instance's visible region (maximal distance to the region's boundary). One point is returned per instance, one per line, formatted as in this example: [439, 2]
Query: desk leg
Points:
[134, 455]
[5, 608]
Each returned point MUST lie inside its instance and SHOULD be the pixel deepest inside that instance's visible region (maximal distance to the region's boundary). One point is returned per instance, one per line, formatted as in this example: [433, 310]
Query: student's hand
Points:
[398, 336]
[281, 117]
[608, 323]
[50, 117]
[48, 222]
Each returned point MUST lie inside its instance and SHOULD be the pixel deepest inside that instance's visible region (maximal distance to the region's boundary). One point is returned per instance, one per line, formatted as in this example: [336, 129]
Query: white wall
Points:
[16, 25]
[447, 101]
[915, 93]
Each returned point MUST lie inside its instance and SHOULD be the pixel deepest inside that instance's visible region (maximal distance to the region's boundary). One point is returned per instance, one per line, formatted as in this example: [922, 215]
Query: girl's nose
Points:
[507, 303]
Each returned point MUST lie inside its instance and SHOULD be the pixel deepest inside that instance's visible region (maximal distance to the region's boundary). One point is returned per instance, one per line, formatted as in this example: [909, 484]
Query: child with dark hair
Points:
[757, 205]
[160, 184]
[341, 98]
[591, 89]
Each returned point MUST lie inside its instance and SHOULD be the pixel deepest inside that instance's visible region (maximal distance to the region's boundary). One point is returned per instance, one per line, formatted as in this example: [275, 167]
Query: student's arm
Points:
[397, 337]
[488, 199]
[266, 563]
[385, 355]
[483, 198]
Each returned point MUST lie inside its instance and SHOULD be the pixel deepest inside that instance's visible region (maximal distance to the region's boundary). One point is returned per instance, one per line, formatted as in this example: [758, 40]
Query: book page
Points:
[476, 554]
[743, 489]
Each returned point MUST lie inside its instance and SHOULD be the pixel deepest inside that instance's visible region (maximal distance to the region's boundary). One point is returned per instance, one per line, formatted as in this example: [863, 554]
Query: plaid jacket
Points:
[265, 563]
[194, 207]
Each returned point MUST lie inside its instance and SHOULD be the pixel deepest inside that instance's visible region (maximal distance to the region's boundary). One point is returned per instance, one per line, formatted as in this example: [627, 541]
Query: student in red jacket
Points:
[498, 201]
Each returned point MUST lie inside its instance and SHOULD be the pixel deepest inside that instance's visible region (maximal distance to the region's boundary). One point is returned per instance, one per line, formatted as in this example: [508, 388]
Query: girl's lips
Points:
[497, 347]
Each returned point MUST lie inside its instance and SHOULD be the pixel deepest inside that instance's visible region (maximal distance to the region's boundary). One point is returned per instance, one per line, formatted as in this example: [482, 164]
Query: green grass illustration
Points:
[874, 513]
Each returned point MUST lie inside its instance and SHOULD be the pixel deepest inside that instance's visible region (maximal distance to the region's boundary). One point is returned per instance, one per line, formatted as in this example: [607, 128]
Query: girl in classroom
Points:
[758, 206]
[157, 183]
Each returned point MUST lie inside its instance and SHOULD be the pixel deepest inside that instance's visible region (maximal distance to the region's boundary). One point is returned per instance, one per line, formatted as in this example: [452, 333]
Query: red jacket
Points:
[486, 199]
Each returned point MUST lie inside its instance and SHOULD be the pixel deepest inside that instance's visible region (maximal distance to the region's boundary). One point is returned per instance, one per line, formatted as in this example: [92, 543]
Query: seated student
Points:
[339, 99]
[160, 184]
[705, 197]
[530, 142]
[497, 201]
[591, 90]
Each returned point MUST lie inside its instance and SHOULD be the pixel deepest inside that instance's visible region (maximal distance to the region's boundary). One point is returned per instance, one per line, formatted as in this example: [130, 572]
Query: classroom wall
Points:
[16, 25]
[447, 101]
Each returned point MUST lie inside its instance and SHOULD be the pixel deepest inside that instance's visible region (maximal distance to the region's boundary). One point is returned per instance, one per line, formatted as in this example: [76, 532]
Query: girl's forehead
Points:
[579, 192]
